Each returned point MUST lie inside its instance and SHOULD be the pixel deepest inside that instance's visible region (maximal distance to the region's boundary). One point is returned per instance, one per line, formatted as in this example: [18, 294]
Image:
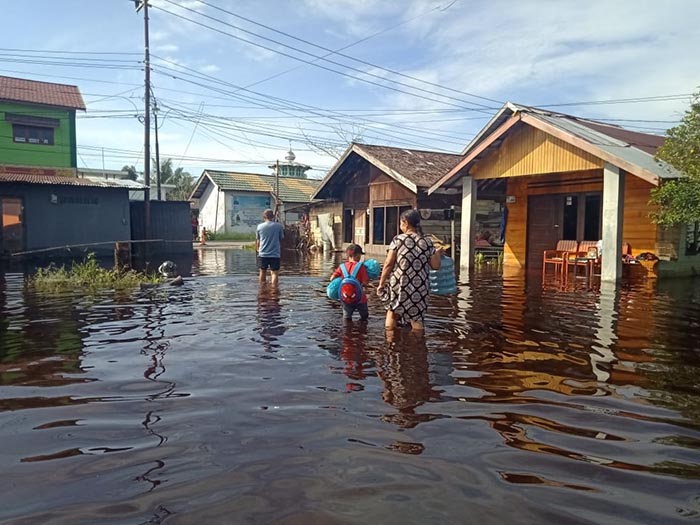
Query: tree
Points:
[678, 201]
[183, 181]
[131, 172]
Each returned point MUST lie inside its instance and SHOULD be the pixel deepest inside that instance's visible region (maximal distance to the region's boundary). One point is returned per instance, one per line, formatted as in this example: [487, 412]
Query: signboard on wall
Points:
[247, 210]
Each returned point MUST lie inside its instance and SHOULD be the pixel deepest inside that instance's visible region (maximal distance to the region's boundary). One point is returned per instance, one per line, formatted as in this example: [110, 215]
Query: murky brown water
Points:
[219, 403]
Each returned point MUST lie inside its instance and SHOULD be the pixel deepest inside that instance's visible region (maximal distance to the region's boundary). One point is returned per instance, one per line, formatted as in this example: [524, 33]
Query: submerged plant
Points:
[88, 275]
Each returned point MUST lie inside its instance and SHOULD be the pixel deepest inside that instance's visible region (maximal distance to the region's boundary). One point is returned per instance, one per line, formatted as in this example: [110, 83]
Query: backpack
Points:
[350, 287]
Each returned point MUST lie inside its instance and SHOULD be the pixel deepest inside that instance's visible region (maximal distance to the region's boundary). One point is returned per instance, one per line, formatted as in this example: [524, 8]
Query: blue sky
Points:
[427, 75]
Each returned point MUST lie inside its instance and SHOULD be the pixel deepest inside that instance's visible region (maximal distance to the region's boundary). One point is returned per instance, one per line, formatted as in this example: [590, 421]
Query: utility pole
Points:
[155, 121]
[143, 4]
[277, 189]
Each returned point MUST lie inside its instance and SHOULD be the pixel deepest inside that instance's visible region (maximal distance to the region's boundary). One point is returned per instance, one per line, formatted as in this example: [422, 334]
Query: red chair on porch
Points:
[588, 257]
[585, 256]
[626, 250]
[557, 256]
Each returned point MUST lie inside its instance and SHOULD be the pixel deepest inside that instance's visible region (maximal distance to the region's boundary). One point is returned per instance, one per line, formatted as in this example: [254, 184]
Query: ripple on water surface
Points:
[225, 402]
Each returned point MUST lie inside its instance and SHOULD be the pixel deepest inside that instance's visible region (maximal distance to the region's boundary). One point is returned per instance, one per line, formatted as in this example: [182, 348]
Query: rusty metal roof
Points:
[36, 92]
[67, 180]
[291, 189]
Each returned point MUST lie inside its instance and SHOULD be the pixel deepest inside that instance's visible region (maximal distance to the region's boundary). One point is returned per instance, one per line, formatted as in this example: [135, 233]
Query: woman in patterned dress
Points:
[407, 267]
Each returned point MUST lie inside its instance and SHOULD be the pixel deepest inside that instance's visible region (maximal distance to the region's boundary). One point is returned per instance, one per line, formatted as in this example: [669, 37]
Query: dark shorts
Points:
[349, 309]
[271, 263]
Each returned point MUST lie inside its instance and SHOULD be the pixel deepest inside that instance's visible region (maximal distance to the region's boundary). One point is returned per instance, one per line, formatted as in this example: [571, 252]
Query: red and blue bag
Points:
[350, 288]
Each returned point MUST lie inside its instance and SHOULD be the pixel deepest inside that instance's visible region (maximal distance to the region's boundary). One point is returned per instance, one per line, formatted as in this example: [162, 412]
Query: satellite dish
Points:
[425, 213]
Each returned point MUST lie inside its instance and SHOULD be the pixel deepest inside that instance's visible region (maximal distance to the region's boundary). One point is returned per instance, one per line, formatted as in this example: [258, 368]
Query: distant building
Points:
[231, 202]
[290, 168]
[137, 193]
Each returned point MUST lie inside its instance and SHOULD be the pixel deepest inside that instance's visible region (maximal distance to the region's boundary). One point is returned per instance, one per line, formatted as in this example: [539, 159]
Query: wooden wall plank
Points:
[638, 230]
[514, 250]
[529, 151]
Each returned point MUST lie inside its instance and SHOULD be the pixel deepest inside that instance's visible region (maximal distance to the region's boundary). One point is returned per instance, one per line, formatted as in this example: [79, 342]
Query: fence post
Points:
[122, 254]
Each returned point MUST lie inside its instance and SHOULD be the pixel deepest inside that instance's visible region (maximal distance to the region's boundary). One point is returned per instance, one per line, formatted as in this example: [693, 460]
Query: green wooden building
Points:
[37, 123]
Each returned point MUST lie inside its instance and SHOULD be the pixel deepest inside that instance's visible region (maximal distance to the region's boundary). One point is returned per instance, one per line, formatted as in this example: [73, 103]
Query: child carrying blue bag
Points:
[348, 280]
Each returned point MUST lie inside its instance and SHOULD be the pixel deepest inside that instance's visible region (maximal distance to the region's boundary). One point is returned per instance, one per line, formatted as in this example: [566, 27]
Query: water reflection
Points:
[524, 402]
[269, 316]
[354, 354]
[402, 365]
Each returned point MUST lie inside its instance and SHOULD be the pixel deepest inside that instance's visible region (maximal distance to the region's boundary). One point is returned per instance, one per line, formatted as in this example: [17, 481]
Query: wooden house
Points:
[364, 194]
[570, 178]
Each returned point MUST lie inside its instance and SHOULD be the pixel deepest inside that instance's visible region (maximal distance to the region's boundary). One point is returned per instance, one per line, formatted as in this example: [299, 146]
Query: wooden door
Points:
[360, 225]
[545, 213]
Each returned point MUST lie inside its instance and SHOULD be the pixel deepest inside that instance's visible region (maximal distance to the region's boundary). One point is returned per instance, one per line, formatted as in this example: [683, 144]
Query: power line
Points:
[69, 52]
[70, 78]
[76, 59]
[355, 43]
[56, 63]
[309, 119]
[310, 109]
[385, 86]
[656, 98]
[398, 73]
[437, 134]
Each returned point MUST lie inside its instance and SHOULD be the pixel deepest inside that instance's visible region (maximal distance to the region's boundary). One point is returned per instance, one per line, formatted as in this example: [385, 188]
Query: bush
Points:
[88, 275]
[231, 236]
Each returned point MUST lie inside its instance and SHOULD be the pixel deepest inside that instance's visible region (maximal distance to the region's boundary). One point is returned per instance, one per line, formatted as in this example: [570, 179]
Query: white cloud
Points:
[532, 51]
[166, 48]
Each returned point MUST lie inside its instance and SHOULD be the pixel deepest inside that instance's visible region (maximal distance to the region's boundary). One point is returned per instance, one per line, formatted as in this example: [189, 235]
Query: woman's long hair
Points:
[412, 218]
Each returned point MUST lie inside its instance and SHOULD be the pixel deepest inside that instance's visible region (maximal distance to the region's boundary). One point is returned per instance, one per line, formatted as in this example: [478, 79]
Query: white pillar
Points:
[466, 259]
[613, 209]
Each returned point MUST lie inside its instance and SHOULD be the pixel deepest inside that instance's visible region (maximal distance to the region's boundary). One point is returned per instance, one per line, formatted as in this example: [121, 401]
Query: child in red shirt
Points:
[355, 253]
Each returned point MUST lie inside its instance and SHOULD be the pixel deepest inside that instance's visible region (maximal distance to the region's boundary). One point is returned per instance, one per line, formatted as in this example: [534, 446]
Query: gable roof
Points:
[412, 168]
[630, 150]
[44, 93]
[291, 189]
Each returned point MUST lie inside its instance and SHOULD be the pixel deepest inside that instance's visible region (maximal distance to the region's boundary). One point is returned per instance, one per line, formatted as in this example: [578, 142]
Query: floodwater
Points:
[222, 402]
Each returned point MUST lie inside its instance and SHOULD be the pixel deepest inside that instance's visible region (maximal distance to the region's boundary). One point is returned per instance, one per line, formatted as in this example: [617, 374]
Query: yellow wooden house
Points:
[571, 178]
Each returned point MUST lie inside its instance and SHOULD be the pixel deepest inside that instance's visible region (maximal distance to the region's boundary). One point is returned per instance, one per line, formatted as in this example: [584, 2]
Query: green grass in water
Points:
[88, 275]
[231, 236]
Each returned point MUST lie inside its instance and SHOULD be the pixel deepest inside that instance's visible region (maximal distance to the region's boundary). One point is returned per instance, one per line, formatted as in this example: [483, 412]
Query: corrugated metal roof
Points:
[614, 142]
[63, 180]
[291, 189]
[36, 92]
[119, 183]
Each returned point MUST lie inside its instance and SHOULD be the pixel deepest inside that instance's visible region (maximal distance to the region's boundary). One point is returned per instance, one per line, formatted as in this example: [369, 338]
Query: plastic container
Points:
[443, 281]
[373, 268]
[333, 288]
